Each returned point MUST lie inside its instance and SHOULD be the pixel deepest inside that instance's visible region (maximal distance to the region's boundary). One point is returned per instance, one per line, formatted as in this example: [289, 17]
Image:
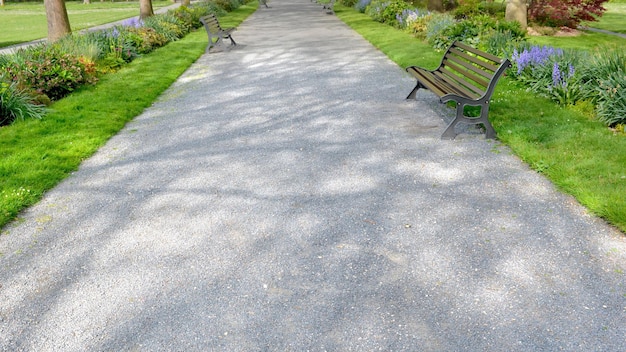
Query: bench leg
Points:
[450, 132]
[414, 91]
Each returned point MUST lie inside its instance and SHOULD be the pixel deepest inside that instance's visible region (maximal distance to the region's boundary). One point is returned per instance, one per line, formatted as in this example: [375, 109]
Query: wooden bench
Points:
[466, 76]
[215, 31]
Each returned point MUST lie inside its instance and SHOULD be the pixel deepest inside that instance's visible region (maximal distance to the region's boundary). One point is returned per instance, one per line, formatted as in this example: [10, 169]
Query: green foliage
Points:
[435, 30]
[466, 9]
[227, 5]
[348, 3]
[612, 99]
[167, 25]
[573, 76]
[15, 104]
[50, 72]
[145, 39]
[387, 12]
[206, 7]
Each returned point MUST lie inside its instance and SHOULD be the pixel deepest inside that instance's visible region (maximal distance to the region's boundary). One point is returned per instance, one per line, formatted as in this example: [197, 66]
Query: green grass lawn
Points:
[26, 21]
[578, 154]
[37, 154]
[614, 19]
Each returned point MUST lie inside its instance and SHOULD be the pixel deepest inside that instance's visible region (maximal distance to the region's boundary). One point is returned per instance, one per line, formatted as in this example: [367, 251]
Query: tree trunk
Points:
[516, 10]
[58, 22]
[145, 8]
[1, 2]
[435, 5]
[186, 2]
[86, 1]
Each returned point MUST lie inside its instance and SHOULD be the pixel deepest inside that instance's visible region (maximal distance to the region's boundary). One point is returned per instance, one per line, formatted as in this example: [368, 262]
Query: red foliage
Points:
[568, 13]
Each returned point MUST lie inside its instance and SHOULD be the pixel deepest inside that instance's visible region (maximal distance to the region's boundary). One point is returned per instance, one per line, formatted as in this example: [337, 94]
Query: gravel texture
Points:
[284, 196]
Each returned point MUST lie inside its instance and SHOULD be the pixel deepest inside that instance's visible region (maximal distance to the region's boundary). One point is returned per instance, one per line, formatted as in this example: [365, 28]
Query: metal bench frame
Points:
[466, 76]
[215, 31]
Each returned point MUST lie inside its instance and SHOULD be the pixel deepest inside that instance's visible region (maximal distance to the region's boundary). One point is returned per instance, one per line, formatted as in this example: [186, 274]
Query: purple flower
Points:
[556, 76]
[133, 22]
[537, 56]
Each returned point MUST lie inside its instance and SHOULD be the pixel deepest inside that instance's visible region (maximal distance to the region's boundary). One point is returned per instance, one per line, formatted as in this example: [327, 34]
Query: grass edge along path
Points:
[576, 153]
[35, 155]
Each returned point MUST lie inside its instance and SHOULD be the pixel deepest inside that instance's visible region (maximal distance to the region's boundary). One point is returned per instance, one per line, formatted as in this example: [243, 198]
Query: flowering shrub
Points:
[388, 12]
[51, 73]
[569, 13]
[408, 17]
[550, 72]
[435, 30]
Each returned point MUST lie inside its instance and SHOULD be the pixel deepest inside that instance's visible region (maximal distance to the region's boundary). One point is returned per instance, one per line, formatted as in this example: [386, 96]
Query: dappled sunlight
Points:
[283, 195]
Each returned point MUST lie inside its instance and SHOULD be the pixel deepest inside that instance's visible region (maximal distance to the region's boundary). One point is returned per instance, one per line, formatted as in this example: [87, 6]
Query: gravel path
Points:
[283, 196]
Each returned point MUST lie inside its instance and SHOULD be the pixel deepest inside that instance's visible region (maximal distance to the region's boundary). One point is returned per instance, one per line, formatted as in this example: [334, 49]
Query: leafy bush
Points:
[209, 7]
[419, 25]
[388, 12]
[16, 104]
[227, 5]
[550, 72]
[568, 13]
[466, 9]
[167, 25]
[50, 72]
[502, 39]
[190, 16]
[145, 39]
[348, 3]
[362, 5]
[612, 99]
[435, 30]
[409, 17]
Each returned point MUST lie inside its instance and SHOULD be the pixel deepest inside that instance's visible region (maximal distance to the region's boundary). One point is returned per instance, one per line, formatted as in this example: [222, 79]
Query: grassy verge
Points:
[579, 155]
[614, 19]
[36, 154]
[26, 21]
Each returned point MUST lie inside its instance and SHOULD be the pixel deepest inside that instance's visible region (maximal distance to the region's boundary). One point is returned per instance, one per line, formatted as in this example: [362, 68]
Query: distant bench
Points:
[215, 31]
[467, 76]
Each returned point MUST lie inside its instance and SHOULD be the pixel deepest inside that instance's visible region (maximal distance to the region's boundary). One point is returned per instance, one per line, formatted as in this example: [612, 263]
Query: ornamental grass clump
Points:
[16, 104]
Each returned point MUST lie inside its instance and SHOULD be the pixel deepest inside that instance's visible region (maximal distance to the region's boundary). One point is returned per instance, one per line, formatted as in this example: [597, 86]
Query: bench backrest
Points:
[211, 24]
[471, 72]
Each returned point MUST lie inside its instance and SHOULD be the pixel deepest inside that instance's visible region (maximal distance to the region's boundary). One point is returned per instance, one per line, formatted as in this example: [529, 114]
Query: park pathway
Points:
[283, 196]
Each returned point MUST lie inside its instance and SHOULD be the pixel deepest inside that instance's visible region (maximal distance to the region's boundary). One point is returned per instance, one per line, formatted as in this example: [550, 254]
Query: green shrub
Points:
[362, 5]
[167, 25]
[435, 30]
[210, 7]
[227, 5]
[50, 72]
[389, 12]
[348, 3]
[190, 16]
[612, 99]
[145, 39]
[419, 25]
[502, 39]
[16, 104]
